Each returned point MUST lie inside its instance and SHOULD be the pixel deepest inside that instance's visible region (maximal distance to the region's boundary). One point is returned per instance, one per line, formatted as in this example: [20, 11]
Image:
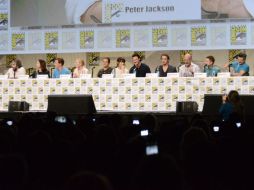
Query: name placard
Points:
[173, 75]
[224, 74]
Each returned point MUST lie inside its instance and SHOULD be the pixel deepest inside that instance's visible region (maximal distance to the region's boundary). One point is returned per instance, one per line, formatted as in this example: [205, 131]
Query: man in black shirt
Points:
[139, 68]
[165, 67]
[106, 68]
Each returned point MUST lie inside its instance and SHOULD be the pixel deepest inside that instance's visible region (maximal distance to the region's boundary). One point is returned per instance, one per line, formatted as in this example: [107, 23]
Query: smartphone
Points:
[135, 122]
[9, 123]
[144, 133]
[216, 129]
[152, 150]
[238, 124]
[61, 119]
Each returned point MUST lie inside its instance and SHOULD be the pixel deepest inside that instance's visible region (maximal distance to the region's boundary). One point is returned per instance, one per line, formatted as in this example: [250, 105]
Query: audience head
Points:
[157, 172]
[79, 63]
[241, 58]
[59, 62]
[136, 59]
[165, 59]
[233, 97]
[106, 62]
[209, 61]
[41, 65]
[120, 62]
[187, 59]
[88, 180]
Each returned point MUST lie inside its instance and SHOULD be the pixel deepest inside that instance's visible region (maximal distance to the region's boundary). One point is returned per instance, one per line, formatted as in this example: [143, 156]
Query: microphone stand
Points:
[14, 73]
[205, 67]
[229, 67]
[92, 71]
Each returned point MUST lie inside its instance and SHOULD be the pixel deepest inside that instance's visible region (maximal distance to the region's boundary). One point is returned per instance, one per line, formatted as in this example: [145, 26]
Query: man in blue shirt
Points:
[59, 69]
[210, 69]
[241, 68]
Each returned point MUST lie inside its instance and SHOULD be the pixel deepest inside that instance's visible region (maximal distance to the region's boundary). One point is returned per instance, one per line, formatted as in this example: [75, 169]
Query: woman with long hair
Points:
[231, 105]
[41, 69]
[120, 67]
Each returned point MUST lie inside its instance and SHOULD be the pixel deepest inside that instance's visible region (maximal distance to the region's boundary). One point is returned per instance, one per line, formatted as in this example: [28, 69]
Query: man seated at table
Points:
[60, 69]
[106, 68]
[165, 67]
[210, 69]
[189, 68]
[140, 69]
[240, 67]
[16, 69]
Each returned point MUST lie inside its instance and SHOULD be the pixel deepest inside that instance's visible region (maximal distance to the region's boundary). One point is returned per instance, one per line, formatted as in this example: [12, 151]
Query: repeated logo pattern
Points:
[129, 94]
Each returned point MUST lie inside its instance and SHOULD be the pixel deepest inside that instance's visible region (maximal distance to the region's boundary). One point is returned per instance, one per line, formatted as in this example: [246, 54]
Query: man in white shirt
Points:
[189, 68]
[16, 70]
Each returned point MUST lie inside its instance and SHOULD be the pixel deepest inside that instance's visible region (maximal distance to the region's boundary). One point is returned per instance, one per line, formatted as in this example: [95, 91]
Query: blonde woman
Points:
[120, 67]
[80, 68]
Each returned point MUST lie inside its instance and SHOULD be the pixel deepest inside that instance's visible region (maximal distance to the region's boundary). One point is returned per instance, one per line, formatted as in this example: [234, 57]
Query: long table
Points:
[123, 94]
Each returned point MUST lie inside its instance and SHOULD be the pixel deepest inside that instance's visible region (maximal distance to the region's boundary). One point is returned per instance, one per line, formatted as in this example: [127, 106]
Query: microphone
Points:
[229, 65]
[92, 70]
[178, 67]
[14, 72]
[114, 70]
[205, 67]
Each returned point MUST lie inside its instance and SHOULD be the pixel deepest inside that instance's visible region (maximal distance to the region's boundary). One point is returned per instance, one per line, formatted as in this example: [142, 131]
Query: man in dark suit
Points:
[140, 69]
[165, 67]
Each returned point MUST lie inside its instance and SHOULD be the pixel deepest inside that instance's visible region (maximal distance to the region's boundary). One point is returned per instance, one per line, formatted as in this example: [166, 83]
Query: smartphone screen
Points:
[152, 150]
[60, 119]
[144, 133]
[9, 123]
[216, 128]
[239, 124]
[135, 122]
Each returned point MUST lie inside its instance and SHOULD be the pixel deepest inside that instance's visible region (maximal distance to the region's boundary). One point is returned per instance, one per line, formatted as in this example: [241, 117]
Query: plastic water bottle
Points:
[157, 72]
[213, 74]
[135, 72]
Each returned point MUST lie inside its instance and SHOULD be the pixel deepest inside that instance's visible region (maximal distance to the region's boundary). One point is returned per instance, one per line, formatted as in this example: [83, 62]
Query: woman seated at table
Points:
[120, 67]
[80, 68]
[41, 69]
[16, 69]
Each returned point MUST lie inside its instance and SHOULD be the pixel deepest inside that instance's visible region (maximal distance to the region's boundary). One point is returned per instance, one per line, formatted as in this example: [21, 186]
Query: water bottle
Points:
[135, 72]
[213, 74]
[157, 71]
